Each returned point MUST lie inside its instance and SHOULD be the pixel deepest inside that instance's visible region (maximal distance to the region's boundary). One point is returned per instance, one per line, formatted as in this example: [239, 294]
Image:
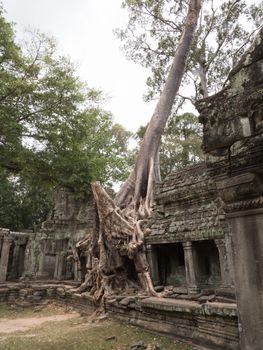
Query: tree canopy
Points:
[53, 130]
[154, 29]
[181, 143]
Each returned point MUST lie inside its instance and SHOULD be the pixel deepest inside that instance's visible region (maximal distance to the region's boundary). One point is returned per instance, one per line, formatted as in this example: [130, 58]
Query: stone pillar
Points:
[56, 266]
[248, 261]
[77, 272]
[224, 262]
[243, 197]
[153, 263]
[60, 261]
[15, 260]
[40, 272]
[1, 240]
[4, 258]
[190, 272]
[229, 252]
[41, 259]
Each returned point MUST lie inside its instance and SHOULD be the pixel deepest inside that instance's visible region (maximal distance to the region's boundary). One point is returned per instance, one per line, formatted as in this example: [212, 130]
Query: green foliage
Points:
[23, 203]
[181, 143]
[53, 130]
[225, 30]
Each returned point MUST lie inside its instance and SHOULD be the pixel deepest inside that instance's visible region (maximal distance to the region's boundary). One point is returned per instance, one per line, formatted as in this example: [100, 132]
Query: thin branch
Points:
[187, 98]
[247, 41]
[210, 28]
[25, 73]
[221, 43]
[170, 23]
[143, 42]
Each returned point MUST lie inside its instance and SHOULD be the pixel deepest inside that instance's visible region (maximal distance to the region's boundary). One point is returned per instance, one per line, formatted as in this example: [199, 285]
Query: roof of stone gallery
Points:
[187, 207]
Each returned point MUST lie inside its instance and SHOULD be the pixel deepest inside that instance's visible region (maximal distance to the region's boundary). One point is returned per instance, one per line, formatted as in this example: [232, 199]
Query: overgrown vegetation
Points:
[53, 130]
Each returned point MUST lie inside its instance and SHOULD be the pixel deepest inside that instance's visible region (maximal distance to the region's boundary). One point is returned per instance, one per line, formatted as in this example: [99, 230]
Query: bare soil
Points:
[24, 324]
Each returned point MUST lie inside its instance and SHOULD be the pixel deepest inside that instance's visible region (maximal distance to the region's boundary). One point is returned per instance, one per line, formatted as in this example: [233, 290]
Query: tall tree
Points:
[139, 186]
[24, 202]
[53, 130]
[121, 233]
[225, 29]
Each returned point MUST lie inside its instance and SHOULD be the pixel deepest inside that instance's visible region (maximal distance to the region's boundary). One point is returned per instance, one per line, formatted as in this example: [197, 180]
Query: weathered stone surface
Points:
[233, 142]
[47, 250]
[189, 220]
[126, 301]
[191, 208]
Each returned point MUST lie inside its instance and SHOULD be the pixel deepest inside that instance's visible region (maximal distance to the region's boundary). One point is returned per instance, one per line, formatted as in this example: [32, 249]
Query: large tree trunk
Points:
[122, 221]
[139, 185]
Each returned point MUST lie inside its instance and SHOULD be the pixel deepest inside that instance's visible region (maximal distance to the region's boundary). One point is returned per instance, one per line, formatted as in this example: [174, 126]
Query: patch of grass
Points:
[83, 334]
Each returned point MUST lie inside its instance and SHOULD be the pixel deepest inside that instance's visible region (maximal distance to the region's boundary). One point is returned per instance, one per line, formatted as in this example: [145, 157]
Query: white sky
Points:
[84, 31]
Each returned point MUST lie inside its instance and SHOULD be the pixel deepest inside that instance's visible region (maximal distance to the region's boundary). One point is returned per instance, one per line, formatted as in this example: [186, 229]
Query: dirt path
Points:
[23, 324]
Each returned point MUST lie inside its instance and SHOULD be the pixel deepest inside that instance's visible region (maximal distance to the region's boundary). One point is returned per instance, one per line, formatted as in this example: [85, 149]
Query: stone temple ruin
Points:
[205, 250]
[190, 244]
[45, 254]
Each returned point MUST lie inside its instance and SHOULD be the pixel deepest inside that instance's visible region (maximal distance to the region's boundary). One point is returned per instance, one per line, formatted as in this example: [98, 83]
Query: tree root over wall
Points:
[121, 238]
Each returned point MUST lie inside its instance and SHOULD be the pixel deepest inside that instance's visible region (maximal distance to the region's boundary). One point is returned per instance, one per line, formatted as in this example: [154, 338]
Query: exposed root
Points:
[121, 235]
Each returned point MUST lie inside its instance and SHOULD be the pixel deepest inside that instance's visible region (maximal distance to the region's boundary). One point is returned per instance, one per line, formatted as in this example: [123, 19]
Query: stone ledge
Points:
[212, 324]
[188, 306]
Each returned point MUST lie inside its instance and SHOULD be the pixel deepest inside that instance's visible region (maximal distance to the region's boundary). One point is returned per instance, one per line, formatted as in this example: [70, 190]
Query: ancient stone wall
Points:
[190, 241]
[233, 142]
[12, 253]
[44, 254]
[48, 250]
[213, 325]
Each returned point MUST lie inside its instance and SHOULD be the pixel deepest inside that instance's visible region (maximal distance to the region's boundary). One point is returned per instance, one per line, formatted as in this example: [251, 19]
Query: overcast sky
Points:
[84, 31]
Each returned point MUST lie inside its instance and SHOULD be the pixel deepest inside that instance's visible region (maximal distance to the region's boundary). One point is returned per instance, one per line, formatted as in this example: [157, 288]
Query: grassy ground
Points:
[81, 333]
[12, 312]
